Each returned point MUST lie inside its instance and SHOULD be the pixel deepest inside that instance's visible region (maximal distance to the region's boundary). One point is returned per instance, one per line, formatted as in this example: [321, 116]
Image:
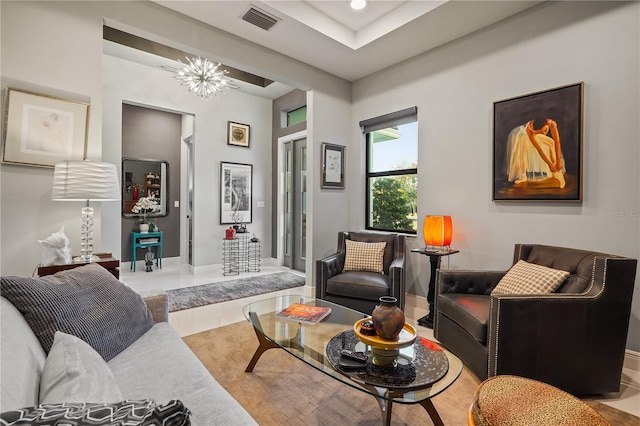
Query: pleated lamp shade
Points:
[437, 231]
[85, 180]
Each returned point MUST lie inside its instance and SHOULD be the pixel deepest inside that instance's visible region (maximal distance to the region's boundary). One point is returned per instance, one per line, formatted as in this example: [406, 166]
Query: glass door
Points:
[295, 204]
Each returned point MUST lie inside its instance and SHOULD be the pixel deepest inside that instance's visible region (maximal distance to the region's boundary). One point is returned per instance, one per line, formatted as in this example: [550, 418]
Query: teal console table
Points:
[145, 240]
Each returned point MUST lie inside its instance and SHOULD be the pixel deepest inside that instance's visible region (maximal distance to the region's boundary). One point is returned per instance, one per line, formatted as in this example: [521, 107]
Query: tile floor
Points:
[191, 321]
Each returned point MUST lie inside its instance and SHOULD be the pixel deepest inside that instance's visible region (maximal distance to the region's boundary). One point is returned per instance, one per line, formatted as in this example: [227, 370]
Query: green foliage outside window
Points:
[391, 205]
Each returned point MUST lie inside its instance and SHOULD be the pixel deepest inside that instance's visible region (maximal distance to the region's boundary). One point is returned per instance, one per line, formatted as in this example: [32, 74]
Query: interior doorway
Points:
[187, 184]
[294, 203]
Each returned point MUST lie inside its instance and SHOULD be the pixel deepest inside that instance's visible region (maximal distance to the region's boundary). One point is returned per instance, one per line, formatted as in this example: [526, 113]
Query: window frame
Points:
[409, 115]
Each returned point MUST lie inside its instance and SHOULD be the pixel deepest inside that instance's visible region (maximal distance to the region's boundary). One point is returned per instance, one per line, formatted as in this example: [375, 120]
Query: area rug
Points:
[284, 390]
[206, 294]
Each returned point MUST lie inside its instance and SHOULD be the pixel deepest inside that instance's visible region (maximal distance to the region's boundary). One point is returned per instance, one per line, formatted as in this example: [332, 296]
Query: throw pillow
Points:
[74, 372]
[130, 413]
[529, 278]
[361, 256]
[87, 302]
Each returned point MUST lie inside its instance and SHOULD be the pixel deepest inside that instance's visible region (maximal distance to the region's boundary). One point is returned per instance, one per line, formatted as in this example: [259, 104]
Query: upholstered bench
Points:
[513, 400]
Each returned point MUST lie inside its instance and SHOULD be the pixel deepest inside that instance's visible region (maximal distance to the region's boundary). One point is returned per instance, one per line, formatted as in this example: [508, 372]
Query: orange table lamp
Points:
[437, 231]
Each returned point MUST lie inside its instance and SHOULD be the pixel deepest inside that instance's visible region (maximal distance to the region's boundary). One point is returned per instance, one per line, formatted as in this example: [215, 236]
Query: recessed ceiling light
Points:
[358, 4]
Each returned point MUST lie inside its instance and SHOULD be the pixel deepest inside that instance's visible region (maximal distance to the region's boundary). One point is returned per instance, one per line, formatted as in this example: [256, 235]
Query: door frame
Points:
[280, 194]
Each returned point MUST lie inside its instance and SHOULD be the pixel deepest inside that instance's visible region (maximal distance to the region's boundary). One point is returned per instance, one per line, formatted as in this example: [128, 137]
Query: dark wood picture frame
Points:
[537, 146]
[236, 198]
[238, 134]
[332, 166]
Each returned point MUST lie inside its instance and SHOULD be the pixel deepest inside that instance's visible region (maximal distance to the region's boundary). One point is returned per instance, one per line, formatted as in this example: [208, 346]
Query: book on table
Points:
[306, 314]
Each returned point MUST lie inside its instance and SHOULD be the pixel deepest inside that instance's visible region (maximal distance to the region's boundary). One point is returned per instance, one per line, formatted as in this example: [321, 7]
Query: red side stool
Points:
[517, 401]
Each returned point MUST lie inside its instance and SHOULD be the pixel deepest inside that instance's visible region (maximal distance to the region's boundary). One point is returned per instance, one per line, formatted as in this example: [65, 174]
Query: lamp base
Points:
[85, 259]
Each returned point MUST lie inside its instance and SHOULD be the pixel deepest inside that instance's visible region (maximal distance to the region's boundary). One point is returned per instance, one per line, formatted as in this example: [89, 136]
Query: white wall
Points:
[56, 48]
[454, 88]
[126, 81]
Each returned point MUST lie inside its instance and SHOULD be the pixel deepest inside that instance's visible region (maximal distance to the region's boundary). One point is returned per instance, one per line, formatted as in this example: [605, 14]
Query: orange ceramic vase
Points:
[388, 319]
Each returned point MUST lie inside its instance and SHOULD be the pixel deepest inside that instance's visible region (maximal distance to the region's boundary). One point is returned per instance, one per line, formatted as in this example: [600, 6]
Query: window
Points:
[392, 171]
[297, 116]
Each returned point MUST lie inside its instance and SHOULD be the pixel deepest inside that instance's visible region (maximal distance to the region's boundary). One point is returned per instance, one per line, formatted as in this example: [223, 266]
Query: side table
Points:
[107, 261]
[144, 240]
[434, 259]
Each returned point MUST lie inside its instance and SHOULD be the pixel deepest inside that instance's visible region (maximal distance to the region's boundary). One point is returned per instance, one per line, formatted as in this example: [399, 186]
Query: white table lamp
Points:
[85, 181]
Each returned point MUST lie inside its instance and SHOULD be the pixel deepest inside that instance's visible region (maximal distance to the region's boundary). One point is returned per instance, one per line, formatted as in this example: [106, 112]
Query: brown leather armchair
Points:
[362, 290]
[573, 339]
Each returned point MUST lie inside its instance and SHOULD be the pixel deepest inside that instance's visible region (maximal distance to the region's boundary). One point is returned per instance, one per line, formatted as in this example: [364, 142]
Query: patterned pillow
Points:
[529, 278]
[129, 413]
[74, 372]
[87, 302]
[361, 256]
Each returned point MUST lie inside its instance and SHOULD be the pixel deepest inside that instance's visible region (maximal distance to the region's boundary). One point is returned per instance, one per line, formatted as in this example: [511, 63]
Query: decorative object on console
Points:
[85, 181]
[41, 129]
[332, 166]
[537, 146]
[238, 134]
[236, 200]
[148, 260]
[229, 233]
[388, 319]
[203, 77]
[144, 206]
[437, 232]
[55, 249]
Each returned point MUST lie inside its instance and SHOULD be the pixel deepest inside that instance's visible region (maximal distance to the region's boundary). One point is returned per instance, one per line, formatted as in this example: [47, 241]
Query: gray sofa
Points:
[158, 366]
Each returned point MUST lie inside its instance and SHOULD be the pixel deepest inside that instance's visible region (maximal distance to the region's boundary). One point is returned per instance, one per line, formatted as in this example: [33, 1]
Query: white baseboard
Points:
[631, 369]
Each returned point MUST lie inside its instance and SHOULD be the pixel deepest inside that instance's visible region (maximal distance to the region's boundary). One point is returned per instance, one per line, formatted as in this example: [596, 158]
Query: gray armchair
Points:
[361, 290]
[573, 339]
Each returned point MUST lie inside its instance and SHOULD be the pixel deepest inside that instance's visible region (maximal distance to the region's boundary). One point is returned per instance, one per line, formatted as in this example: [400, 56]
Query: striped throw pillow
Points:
[529, 278]
[364, 256]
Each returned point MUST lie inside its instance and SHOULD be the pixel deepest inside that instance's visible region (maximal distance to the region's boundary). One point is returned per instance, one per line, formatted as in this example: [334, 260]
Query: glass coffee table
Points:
[420, 372]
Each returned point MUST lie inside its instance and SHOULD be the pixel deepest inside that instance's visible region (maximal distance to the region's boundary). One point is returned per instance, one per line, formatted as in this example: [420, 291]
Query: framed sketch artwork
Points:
[537, 146]
[235, 192]
[332, 166]
[42, 130]
[238, 134]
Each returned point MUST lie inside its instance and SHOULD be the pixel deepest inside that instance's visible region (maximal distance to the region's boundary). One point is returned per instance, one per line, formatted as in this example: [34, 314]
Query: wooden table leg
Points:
[433, 413]
[265, 345]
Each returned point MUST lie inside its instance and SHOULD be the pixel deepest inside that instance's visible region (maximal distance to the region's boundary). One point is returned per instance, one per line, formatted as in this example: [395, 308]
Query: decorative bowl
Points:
[386, 351]
[406, 337]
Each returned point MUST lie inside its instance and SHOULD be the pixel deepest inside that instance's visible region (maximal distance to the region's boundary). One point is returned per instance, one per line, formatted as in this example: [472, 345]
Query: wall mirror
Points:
[143, 177]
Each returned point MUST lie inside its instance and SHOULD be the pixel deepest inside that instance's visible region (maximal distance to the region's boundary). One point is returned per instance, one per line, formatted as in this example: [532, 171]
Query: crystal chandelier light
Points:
[203, 77]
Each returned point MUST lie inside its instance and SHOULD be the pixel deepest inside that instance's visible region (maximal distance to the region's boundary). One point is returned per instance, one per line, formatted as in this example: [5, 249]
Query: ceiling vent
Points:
[260, 18]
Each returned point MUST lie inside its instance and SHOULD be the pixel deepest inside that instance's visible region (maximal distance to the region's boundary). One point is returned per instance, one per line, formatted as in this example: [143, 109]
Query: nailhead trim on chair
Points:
[548, 296]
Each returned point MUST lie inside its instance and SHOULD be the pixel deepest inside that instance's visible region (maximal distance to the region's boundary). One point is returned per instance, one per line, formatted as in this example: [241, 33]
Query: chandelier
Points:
[203, 77]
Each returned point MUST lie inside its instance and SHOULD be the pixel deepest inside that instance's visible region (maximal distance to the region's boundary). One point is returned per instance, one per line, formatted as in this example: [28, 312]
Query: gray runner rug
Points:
[207, 294]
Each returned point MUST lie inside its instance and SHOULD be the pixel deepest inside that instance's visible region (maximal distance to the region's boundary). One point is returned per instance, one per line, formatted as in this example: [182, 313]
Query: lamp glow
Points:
[85, 181]
[358, 4]
[437, 231]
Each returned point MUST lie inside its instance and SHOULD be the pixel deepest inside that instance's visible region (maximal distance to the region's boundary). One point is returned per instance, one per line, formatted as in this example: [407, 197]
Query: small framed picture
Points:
[332, 166]
[238, 134]
[41, 130]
